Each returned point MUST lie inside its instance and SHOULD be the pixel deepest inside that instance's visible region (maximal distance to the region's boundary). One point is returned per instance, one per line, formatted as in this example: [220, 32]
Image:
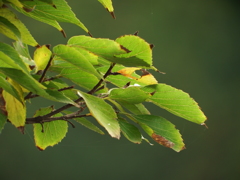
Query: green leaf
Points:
[22, 49]
[135, 108]
[52, 90]
[139, 48]
[162, 131]
[50, 2]
[25, 80]
[9, 88]
[54, 131]
[103, 113]
[11, 57]
[70, 93]
[26, 37]
[51, 15]
[73, 73]
[130, 131]
[9, 28]
[41, 57]
[175, 101]
[76, 58]
[108, 5]
[99, 46]
[89, 125]
[132, 95]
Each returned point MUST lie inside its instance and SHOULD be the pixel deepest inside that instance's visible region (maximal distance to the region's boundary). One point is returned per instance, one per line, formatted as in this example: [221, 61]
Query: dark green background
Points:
[197, 45]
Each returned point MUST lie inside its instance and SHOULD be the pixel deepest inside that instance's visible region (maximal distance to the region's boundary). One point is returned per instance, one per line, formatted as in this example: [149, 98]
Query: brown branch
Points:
[62, 89]
[48, 117]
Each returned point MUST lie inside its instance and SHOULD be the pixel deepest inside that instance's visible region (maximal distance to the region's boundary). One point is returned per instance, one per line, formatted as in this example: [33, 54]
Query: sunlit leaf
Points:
[176, 101]
[41, 57]
[53, 132]
[99, 46]
[76, 58]
[130, 131]
[103, 113]
[26, 37]
[162, 131]
[139, 48]
[132, 95]
[108, 5]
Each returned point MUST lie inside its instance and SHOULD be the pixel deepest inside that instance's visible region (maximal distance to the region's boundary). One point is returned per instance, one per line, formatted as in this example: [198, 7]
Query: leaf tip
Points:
[63, 33]
[39, 148]
[151, 46]
[203, 124]
[89, 34]
[21, 129]
[136, 33]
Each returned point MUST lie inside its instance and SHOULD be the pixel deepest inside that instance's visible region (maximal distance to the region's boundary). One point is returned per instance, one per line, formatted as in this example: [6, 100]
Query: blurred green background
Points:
[197, 45]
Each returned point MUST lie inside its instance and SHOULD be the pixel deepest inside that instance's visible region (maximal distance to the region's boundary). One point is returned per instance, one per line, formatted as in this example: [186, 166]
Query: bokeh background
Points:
[197, 45]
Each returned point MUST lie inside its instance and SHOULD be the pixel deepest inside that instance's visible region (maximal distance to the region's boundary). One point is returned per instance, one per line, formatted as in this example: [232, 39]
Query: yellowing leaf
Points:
[16, 110]
[146, 78]
[41, 57]
[51, 133]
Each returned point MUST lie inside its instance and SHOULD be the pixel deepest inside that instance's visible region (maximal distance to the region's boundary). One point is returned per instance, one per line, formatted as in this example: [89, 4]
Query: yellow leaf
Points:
[41, 57]
[16, 110]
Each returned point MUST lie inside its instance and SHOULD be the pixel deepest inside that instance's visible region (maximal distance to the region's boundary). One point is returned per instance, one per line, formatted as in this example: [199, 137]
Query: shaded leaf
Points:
[130, 131]
[9, 28]
[162, 131]
[54, 131]
[22, 49]
[26, 37]
[176, 101]
[61, 12]
[73, 73]
[11, 57]
[103, 113]
[9, 88]
[89, 125]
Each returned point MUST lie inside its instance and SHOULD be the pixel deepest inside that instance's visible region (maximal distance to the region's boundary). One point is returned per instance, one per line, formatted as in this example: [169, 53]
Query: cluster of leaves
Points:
[110, 77]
